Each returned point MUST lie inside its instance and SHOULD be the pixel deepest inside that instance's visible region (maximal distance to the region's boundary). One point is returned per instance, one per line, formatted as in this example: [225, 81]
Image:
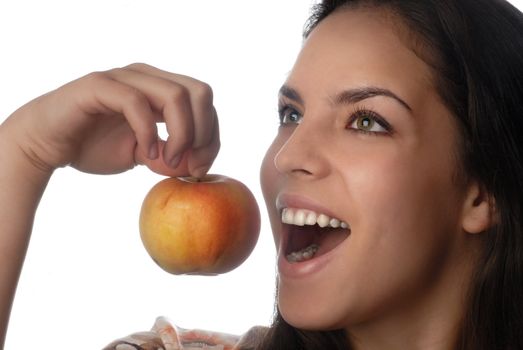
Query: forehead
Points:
[364, 46]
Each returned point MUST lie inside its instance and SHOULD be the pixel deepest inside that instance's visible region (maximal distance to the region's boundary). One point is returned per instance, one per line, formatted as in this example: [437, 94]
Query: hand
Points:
[105, 122]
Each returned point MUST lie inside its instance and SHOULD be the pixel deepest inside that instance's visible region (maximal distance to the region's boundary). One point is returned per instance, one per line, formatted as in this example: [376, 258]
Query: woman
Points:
[425, 183]
[393, 185]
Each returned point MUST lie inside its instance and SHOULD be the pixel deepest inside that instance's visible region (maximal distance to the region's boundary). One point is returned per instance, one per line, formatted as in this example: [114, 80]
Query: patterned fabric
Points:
[165, 336]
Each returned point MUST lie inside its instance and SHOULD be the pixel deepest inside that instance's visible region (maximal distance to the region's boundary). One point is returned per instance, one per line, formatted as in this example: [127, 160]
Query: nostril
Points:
[301, 171]
[291, 158]
[295, 162]
[302, 153]
[290, 166]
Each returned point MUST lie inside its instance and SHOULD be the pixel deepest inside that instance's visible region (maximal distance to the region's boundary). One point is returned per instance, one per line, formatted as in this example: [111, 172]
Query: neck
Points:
[427, 329]
[431, 319]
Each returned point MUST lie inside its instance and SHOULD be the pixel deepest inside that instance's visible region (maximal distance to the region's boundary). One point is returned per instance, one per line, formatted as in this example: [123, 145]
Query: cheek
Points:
[406, 197]
[406, 183]
[405, 223]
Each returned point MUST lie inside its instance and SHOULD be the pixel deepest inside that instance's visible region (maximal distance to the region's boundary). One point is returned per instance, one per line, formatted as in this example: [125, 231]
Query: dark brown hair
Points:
[476, 52]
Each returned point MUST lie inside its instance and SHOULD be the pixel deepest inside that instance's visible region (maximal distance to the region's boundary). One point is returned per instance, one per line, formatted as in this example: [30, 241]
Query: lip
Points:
[300, 270]
[306, 268]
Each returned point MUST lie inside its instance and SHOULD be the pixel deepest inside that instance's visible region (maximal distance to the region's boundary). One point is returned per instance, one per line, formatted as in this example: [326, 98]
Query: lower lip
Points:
[306, 268]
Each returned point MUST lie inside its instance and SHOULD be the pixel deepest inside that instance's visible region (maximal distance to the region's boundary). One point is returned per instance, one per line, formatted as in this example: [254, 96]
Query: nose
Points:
[303, 154]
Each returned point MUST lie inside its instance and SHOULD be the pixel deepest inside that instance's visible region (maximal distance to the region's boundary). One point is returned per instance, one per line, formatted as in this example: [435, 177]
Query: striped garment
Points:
[165, 336]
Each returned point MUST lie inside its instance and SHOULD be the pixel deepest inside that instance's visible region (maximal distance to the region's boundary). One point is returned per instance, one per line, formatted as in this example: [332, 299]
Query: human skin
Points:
[399, 281]
[102, 123]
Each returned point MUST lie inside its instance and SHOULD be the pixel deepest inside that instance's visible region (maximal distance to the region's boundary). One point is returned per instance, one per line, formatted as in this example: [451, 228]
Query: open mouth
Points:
[311, 234]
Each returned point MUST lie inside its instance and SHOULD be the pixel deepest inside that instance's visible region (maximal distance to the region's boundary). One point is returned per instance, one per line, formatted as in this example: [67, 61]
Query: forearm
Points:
[21, 187]
[102, 123]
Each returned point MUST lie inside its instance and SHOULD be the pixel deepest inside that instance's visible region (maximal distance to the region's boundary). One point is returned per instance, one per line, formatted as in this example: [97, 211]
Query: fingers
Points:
[113, 96]
[200, 95]
[170, 100]
[202, 158]
[183, 103]
[194, 162]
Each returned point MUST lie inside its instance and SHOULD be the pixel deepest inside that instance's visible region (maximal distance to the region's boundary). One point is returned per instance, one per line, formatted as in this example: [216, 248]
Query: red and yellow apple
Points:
[199, 226]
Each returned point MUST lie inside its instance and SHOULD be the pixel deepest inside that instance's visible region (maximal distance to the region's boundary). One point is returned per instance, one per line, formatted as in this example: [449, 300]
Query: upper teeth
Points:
[301, 217]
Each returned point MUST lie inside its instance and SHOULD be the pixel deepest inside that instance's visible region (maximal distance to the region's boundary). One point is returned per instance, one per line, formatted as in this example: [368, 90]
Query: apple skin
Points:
[202, 226]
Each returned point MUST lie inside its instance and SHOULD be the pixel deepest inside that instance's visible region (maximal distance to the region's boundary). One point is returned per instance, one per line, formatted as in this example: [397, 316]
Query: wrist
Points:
[19, 160]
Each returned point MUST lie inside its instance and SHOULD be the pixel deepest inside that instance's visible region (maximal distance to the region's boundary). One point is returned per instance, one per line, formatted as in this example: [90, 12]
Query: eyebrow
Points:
[349, 96]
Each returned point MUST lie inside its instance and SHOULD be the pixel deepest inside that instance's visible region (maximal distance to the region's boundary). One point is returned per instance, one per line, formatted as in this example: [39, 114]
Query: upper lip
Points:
[289, 200]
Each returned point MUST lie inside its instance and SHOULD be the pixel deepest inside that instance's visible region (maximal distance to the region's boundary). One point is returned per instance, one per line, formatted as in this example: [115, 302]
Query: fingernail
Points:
[201, 171]
[153, 151]
[175, 161]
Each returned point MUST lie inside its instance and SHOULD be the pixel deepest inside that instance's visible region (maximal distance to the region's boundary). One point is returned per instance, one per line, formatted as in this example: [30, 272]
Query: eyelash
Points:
[357, 113]
[365, 112]
[282, 109]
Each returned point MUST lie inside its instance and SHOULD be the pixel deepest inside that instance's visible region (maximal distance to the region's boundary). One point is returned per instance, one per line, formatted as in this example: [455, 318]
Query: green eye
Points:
[366, 121]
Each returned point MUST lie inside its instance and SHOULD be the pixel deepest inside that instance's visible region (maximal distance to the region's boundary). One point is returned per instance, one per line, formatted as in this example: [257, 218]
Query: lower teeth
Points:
[304, 254]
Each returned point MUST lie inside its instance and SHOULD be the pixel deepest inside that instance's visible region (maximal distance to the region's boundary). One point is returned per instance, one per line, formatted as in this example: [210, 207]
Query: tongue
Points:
[302, 237]
[326, 238]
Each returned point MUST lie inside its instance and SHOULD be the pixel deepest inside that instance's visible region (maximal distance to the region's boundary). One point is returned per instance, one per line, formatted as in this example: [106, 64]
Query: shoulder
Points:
[166, 336]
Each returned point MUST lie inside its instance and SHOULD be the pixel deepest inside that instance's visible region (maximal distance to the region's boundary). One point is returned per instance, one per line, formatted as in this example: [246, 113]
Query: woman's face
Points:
[365, 140]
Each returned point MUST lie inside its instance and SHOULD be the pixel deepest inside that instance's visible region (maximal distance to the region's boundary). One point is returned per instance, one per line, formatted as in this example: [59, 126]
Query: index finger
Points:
[200, 96]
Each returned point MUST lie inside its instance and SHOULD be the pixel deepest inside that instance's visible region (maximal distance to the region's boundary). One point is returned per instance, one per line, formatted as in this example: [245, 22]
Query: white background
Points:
[87, 278]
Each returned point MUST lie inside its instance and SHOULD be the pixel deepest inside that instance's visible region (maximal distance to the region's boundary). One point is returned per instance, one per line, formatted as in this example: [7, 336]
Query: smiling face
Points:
[367, 149]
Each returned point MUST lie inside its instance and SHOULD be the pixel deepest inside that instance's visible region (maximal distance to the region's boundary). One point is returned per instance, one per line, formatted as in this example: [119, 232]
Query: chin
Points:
[308, 315]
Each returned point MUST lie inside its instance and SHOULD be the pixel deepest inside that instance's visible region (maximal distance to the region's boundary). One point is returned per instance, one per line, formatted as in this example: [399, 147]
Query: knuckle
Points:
[203, 93]
[137, 66]
[96, 77]
[115, 73]
[178, 94]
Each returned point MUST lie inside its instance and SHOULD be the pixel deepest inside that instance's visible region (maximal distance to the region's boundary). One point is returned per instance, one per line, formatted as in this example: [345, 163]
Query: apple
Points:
[201, 226]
